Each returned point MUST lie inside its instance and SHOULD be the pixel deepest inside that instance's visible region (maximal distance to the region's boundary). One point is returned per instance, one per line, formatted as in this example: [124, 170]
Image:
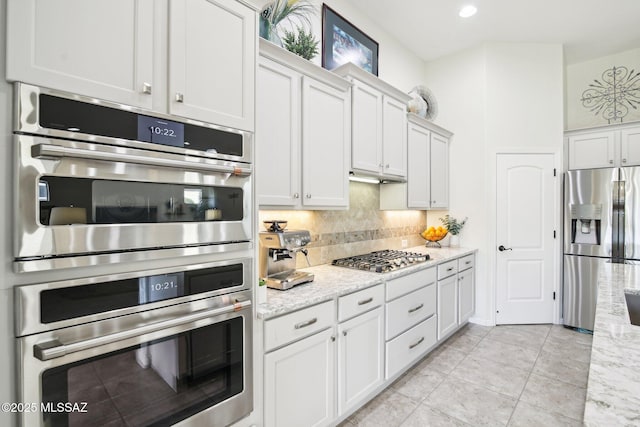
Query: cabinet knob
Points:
[296, 195]
[344, 333]
[611, 162]
[146, 88]
[179, 97]
[308, 196]
[387, 166]
[624, 160]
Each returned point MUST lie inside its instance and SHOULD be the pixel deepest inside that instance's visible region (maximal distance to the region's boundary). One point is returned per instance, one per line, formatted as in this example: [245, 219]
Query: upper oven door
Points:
[74, 197]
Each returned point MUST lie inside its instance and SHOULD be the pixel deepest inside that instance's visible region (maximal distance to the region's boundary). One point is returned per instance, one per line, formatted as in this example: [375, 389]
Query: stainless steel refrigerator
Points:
[601, 225]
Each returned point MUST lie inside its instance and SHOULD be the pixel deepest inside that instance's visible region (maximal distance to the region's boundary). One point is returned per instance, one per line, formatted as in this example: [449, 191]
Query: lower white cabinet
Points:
[360, 358]
[408, 347]
[466, 288]
[447, 306]
[299, 383]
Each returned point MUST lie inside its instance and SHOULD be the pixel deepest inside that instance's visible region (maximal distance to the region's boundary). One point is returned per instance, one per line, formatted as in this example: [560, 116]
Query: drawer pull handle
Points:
[416, 308]
[417, 343]
[468, 262]
[307, 323]
[365, 301]
[450, 269]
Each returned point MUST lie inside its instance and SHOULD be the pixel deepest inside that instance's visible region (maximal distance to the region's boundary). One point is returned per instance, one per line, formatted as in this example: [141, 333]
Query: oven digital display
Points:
[161, 287]
[158, 131]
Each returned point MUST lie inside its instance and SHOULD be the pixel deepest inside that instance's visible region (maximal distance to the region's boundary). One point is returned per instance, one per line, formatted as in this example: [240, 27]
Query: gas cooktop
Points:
[382, 261]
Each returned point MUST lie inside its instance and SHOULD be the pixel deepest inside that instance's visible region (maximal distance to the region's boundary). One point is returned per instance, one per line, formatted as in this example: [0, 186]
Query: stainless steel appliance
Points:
[601, 225]
[99, 182]
[278, 252]
[138, 349]
[382, 261]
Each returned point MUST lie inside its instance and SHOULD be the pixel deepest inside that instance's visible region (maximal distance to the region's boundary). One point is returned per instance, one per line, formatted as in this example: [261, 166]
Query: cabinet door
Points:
[630, 147]
[325, 145]
[277, 135]
[418, 180]
[592, 150]
[101, 49]
[299, 383]
[367, 128]
[439, 164]
[212, 51]
[360, 358]
[466, 295]
[394, 137]
[447, 306]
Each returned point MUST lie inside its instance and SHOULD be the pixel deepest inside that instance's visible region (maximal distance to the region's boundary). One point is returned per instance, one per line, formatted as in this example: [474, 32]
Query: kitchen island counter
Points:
[613, 391]
[332, 282]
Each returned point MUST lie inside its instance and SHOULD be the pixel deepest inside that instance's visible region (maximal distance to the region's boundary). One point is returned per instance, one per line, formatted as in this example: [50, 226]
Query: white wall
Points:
[580, 75]
[494, 98]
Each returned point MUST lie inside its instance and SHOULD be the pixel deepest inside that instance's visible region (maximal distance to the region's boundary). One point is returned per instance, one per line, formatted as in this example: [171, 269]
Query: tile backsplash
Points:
[360, 229]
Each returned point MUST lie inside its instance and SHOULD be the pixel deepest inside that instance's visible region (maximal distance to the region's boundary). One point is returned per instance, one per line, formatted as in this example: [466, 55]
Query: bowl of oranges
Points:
[433, 235]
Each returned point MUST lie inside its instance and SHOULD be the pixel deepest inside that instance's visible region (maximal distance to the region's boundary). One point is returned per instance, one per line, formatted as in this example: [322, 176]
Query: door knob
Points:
[501, 248]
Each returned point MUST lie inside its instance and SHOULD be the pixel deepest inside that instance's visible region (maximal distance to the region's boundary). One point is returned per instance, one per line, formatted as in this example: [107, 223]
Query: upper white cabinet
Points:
[427, 185]
[604, 147]
[379, 125]
[212, 51]
[94, 48]
[303, 128]
[118, 51]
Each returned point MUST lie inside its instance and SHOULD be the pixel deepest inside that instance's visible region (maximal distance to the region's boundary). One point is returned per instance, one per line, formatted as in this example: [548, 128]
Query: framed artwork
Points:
[342, 42]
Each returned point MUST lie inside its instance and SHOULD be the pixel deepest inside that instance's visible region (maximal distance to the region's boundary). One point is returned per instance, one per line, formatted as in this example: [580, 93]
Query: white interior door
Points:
[526, 205]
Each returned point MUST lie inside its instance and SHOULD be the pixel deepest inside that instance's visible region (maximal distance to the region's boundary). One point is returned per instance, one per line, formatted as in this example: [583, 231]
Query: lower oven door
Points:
[197, 366]
[79, 198]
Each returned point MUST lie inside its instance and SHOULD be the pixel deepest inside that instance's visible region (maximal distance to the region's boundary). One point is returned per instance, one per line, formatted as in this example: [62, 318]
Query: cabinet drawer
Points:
[405, 284]
[466, 262]
[410, 346]
[291, 327]
[447, 269]
[359, 302]
[409, 310]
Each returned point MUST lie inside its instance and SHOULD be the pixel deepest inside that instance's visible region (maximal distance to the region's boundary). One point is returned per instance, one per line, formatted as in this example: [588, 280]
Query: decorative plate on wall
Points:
[428, 109]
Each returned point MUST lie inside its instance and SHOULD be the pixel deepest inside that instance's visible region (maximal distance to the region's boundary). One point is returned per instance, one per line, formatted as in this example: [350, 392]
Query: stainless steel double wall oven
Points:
[99, 183]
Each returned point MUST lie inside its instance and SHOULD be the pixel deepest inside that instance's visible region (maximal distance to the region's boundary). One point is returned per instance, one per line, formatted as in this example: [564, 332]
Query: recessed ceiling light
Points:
[468, 11]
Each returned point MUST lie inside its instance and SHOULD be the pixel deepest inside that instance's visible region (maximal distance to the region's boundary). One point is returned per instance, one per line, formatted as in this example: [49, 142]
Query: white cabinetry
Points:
[300, 382]
[117, 51]
[447, 299]
[299, 378]
[212, 54]
[466, 289]
[613, 146]
[410, 319]
[379, 125]
[302, 133]
[427, 185]
[360, 357]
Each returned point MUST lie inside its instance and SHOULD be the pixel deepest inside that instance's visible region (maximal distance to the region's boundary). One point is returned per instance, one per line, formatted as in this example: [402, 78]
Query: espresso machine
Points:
[278, 251]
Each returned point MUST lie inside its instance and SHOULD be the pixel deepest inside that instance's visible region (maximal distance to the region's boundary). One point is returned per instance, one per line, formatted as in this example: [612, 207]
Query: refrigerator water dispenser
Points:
[585, 223]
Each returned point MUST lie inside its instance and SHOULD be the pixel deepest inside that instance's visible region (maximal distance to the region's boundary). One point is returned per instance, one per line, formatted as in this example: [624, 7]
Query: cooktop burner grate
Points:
[381, 261]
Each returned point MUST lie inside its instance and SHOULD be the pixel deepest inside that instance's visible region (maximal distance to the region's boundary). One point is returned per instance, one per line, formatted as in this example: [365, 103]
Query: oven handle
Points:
[55, 348]
[55, 151]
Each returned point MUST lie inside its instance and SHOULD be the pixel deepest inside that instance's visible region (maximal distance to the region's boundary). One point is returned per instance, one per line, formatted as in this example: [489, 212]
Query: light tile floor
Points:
[524, 375]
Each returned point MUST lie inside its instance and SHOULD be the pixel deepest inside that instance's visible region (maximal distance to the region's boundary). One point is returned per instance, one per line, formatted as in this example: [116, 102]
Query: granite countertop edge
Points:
[613, 394]
[332, 282]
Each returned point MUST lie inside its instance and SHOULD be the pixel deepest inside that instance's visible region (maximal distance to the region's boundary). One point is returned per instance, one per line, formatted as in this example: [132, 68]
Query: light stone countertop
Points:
[331, 282]
[613, 391]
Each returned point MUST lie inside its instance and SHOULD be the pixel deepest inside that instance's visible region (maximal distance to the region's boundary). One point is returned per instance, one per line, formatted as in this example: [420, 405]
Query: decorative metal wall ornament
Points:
[612, 97]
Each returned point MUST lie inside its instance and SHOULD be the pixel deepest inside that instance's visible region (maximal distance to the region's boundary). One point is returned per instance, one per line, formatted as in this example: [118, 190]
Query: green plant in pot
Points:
[455, 227]
[303, 43]
[276, 12]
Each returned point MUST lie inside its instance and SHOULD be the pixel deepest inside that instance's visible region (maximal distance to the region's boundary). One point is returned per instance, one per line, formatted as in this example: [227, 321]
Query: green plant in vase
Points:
[274, 13]
[455, 227]
[303, 44]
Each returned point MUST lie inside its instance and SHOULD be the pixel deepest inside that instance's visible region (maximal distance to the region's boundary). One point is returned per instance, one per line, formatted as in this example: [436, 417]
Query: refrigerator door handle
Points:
[617, 240]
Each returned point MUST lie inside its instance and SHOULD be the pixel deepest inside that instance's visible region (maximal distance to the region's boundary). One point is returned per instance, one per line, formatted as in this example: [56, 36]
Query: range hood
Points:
[370, 178]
